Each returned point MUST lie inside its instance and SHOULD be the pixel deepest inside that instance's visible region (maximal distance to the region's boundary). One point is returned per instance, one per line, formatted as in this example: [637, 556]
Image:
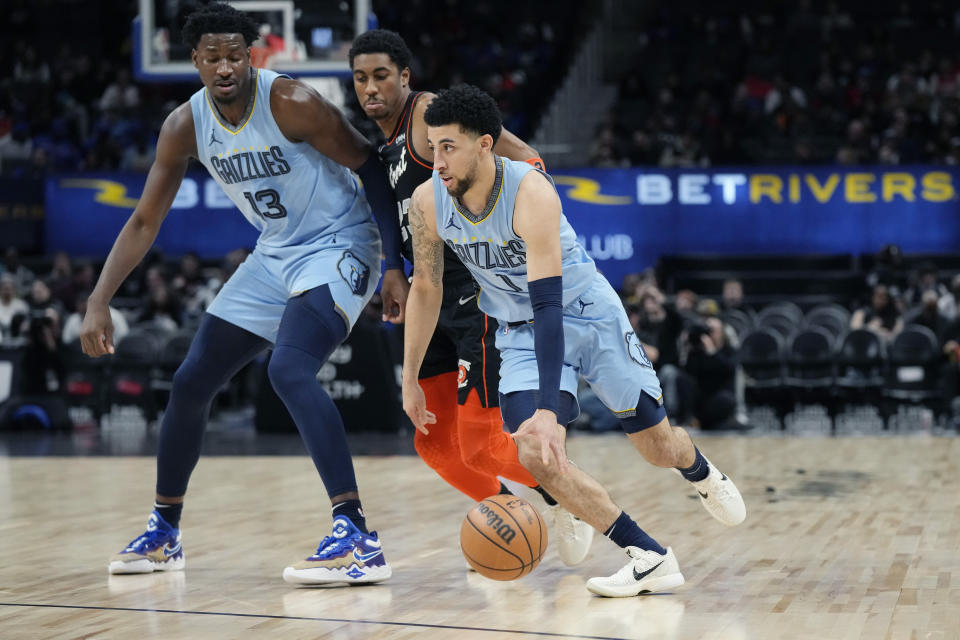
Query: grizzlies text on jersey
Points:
[599, 343]
[315, 224]
[304, 204]
[495, 255]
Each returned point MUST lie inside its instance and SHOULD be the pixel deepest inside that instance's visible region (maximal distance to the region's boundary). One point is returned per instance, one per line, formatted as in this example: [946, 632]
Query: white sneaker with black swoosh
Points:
[647, 572]
[720, 497]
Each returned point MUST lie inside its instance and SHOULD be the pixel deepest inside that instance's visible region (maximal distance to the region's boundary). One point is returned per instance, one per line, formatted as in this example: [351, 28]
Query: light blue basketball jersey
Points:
[495, 255]
[314, 221]
[305, 205]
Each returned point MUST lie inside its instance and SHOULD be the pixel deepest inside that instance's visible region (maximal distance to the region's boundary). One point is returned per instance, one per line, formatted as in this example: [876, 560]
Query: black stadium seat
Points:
[131, 375]
[861, 361]
[780, 320]
[785, 309]
[761, 358]
[914, 357]
[85, 379]
[741, 321]
[831, 317]
[810, 359]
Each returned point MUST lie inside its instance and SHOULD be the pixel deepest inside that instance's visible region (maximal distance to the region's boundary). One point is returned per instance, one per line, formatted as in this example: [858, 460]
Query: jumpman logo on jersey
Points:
[583, 305]
[213, 137]
[452, 223]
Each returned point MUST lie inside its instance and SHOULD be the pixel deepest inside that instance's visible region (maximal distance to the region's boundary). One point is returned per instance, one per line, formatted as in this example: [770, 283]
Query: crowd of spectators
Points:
[694, 349]
[41, 312]
[690, 338]
[517, 52]
[68, 101]
[819, 81]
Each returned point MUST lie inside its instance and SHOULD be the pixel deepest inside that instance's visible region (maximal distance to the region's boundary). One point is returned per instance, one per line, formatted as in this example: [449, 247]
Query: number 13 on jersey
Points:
[269, 200]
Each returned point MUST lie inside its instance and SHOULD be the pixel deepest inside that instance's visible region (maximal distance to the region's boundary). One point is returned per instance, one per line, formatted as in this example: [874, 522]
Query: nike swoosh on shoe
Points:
[641, 576]
[365, 557]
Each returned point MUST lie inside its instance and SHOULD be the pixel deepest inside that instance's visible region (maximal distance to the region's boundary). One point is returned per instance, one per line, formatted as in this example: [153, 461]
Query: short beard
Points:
[464, 185]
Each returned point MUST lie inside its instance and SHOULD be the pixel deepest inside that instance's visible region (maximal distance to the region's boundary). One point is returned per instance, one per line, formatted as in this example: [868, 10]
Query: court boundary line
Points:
[308, 618]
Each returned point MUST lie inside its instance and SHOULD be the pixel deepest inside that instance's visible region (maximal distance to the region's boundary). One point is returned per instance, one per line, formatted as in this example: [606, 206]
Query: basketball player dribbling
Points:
[466, 444]
[284, 155]
[558, 318]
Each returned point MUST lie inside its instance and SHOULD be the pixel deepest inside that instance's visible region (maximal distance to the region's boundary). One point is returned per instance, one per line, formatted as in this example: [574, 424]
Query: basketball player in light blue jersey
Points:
[284, 156]
[558, 318]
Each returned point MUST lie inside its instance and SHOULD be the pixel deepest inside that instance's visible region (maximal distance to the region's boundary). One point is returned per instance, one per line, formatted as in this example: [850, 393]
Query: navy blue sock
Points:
[310, 330]
[170, 513]
[217, 352]
[699, 470]
[353, 510]
[626, 533]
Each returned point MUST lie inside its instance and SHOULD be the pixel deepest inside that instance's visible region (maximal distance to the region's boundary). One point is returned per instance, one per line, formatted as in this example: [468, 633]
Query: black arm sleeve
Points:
[546, 298]
[384, 206]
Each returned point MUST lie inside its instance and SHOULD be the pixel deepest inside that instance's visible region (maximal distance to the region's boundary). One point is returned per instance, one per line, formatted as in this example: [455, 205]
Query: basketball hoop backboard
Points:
[303, 38]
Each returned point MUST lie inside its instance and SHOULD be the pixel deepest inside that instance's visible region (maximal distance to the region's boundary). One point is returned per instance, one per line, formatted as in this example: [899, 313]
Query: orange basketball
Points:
[503, 537]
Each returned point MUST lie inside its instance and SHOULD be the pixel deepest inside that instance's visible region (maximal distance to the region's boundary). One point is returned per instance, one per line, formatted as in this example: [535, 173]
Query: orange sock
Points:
[440, 449]
[486, 446]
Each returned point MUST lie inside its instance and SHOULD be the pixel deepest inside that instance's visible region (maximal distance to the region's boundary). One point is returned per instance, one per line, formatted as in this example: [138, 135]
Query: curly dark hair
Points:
[473, 109]
[382, 41]
[219, 17]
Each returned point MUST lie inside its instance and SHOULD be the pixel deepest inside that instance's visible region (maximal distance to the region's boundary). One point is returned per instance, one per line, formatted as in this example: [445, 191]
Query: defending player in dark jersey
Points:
[466, 445]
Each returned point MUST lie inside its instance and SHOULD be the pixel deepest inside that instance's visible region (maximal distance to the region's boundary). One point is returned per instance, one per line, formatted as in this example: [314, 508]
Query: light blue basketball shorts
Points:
[256, 295]
[599, 344]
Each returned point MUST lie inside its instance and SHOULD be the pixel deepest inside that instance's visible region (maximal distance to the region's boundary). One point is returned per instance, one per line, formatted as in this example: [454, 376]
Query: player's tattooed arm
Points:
[423, 305]
[427, 245]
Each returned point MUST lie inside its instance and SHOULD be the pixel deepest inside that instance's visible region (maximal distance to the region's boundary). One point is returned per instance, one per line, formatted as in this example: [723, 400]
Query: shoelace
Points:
[626, 572]
[331, 546]
[725, 491]
[721, 489]
[147, 540]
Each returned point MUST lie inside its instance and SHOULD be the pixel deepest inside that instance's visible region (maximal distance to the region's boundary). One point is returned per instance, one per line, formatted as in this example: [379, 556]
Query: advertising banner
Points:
[625, 218]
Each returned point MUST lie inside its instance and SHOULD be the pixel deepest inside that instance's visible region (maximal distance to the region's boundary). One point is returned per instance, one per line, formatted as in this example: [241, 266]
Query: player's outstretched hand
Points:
[96, 333]
[543, 426]
[394, 291]
[415, 406]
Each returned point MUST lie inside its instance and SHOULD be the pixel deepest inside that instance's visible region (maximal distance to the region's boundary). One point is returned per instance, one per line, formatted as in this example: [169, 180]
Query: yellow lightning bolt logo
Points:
[109, 192]
[586, 190]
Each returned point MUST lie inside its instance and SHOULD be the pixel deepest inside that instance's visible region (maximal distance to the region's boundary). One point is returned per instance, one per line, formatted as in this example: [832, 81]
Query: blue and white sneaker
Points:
[156, 549]
[346, 557]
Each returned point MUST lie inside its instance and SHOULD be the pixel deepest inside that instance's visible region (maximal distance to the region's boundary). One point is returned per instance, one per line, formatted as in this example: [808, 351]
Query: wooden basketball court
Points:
[844, 538]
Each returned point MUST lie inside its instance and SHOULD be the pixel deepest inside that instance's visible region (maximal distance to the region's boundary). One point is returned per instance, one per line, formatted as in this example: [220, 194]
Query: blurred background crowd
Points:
[708, 84]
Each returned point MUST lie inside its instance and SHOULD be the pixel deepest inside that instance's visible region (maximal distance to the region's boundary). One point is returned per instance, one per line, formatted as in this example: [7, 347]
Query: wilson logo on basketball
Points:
[496, 523]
